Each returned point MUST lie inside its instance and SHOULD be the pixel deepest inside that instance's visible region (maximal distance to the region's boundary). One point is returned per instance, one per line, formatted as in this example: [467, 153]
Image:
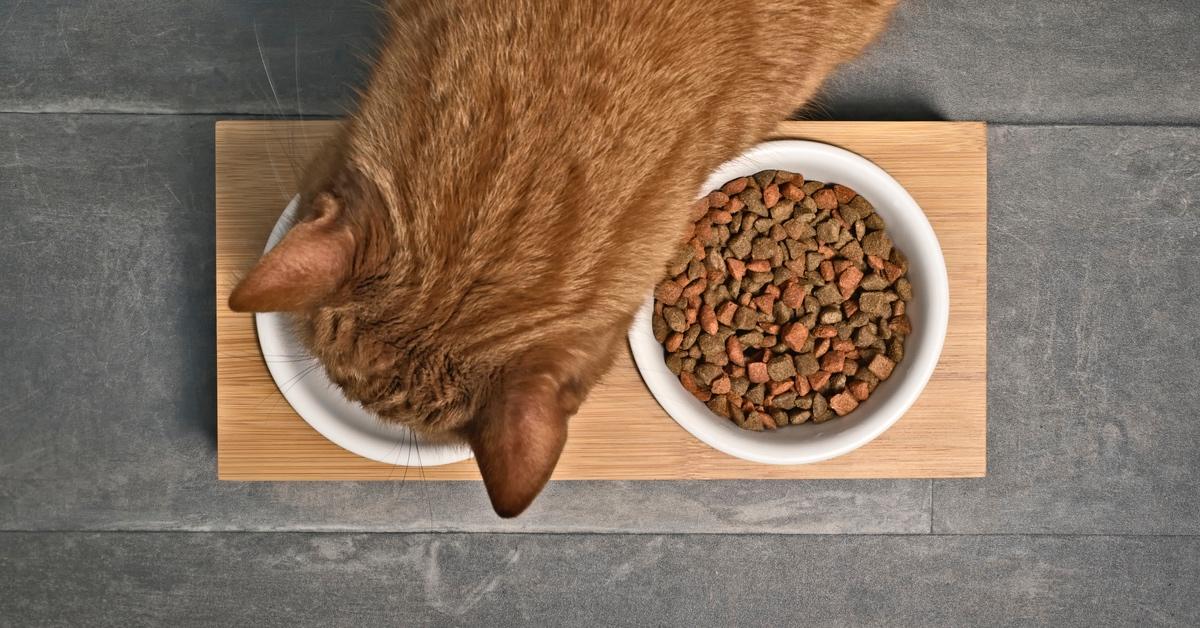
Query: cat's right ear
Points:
[311, 262]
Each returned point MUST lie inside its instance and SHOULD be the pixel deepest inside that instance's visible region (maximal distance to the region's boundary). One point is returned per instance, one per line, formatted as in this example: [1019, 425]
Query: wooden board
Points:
[621, 433]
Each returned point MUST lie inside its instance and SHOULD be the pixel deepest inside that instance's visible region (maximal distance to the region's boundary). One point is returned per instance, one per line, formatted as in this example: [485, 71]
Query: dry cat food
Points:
[786, 304]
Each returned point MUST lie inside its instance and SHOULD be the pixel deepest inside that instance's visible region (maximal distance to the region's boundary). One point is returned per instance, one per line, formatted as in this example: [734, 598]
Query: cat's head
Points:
[459, 329]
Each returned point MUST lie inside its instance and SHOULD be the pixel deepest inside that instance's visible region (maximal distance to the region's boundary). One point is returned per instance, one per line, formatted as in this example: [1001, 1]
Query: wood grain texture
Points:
[621, 433]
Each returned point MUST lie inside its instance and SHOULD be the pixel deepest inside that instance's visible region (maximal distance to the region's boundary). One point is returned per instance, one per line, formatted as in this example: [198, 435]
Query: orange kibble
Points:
[771, 195]
[733, 347]
[757, 372]
[737, 268]
[717, 198]
[825, 199]
[826, 270]
[795, 335]
[725, 312]
[708, 319]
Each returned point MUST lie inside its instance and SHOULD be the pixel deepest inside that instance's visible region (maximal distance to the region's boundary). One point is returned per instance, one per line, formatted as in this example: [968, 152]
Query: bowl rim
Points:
[833, 441]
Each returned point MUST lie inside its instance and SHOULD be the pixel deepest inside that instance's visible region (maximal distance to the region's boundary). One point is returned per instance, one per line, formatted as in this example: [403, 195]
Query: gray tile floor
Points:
[110, 514]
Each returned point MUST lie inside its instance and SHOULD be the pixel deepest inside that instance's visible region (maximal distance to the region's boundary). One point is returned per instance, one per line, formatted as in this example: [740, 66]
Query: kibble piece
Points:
[733, 347]
[758, 373]
[806, 364]
[781, 368]
[675, 318]
[828, 231]
[843, 403]
[757, 394]
[825, 199]
[876, 303]
[785, 401]
[819, 380]
[881, 366]
[878, 244]
[744, 318]
[674, 362]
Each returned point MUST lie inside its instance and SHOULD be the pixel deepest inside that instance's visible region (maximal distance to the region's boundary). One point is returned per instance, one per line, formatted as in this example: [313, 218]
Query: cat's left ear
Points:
[519, 440]
[311, 262]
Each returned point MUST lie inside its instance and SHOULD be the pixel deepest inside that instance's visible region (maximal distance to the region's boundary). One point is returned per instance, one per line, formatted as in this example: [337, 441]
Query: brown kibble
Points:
[843, 403]
[675, 318]
[721, 385]
[781, 368]
[898, 308]
[771, 195]
[708, 319]
[757, 372]
[878, 244]
[825, 199]
[875, 303]
[745, 317]
[881, 366]
[821, 347]
[900, 324]
[733, 347]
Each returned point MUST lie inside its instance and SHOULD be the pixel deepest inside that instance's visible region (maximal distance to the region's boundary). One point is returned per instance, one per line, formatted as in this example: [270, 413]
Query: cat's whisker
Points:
[424, 480]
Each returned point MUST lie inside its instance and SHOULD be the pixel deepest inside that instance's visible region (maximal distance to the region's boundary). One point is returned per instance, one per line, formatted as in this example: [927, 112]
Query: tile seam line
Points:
[1062, 535]
[310, 117]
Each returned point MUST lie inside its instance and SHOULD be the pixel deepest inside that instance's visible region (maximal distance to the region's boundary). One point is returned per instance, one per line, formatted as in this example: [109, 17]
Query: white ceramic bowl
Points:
[321, 404]
[929, 312]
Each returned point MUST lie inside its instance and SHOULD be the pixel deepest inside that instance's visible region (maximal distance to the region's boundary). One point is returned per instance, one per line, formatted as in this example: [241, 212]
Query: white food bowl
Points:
[929, 311]
[321, 404]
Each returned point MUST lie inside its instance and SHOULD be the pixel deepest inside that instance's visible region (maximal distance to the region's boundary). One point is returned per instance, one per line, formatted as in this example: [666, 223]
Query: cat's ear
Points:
[311, 262]
[518, 442]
